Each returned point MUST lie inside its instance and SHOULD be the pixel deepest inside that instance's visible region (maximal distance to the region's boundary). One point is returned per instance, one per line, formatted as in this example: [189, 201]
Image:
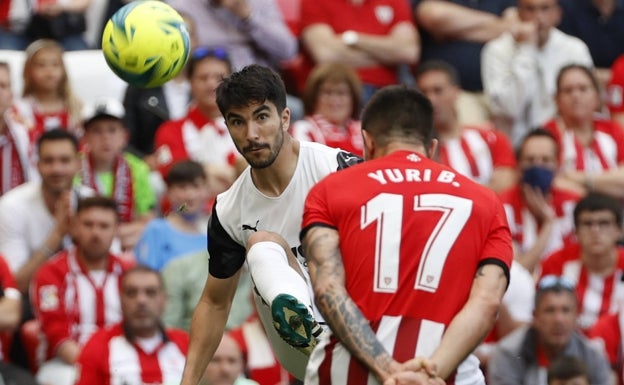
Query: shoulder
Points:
[514, 342]
[325, 156]
[22, 195]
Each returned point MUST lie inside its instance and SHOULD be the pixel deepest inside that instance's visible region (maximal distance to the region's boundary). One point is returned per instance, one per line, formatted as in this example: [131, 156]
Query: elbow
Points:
[431, 16]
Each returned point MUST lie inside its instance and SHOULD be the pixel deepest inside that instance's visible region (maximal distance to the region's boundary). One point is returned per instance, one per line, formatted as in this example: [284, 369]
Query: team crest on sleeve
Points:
[48, 298]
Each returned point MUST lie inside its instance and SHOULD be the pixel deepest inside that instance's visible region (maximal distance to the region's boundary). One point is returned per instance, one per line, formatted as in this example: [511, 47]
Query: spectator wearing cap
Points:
[202, 135]
[112, 172]
[524, 355]
[595, 262]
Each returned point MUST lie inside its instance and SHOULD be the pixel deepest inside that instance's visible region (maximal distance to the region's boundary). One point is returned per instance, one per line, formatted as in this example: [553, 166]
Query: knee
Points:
[264, 236]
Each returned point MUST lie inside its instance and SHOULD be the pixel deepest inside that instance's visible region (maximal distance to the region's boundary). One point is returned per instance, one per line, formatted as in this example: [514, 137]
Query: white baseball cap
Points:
[102, 107]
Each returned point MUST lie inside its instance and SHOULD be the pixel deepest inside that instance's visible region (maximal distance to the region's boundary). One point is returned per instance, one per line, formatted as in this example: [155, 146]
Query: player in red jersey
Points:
[411, 264]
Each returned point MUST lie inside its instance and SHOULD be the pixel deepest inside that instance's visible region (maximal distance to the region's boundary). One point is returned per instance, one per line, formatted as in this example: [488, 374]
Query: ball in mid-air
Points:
[146, 43]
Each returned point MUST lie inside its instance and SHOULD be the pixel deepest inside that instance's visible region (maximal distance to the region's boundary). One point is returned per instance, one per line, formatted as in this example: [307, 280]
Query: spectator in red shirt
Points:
[139, 350]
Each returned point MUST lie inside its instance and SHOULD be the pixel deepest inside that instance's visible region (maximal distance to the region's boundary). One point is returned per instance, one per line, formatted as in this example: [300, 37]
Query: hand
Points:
[129, 234]
[409, 377]
[238, 7]
[537, 204]
[525, 32]
[63, 213]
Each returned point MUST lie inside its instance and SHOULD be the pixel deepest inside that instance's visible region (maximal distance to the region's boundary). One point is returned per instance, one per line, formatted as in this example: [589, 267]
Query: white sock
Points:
[272, 275]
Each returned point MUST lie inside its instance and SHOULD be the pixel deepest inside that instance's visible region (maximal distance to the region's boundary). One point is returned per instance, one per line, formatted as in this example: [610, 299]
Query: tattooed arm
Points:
[321, 248]
[474, 320]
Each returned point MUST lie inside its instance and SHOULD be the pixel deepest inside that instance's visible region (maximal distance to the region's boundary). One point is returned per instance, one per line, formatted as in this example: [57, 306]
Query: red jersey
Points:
[524, 227]
[195, 137]
[412, 237]
[608, 329]
[606, 150]
[615, 89]
[477, 152]
[260, 361]
[109, 358]
[597, 295]
[72, 303]
[8, 289]
[375, 17]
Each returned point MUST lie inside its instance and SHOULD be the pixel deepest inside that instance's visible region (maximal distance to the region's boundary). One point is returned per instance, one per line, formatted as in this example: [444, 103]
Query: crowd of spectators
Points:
[104, 201]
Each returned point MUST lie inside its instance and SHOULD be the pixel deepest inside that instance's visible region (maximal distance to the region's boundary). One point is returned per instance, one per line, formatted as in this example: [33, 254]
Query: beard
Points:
[274, 149]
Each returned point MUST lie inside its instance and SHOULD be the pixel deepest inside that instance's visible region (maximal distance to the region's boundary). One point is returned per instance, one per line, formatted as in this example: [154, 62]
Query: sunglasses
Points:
[551, 281]
[216, 52]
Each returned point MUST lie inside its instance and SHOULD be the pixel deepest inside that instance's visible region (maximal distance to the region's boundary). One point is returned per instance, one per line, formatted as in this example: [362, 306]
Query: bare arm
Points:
[402, 45]
[341, 313]
[68, 351]
[449, 21]
[325, 46]
[52, 243]
[474, 320]
[10, 312]
[610, 182]
[207, 325]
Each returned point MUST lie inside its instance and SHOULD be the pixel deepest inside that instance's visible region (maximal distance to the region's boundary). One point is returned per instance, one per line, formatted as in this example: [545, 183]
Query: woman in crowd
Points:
[331, 99]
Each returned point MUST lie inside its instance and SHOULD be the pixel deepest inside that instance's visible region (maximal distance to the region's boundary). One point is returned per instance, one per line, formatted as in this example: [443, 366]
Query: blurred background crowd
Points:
[106, 189]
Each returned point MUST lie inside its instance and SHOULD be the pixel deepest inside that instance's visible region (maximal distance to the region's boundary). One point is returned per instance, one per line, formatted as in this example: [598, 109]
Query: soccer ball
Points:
[146, 43]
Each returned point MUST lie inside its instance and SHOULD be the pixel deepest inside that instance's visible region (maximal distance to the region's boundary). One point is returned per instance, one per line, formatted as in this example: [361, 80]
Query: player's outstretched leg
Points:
[294, 323]
[281, 283]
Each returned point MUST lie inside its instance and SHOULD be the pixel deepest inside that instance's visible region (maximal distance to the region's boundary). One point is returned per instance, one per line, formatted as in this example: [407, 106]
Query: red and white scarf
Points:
[122, 184]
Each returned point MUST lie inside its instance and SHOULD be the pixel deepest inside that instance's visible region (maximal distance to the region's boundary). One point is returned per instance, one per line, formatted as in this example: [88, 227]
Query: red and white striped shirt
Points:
[524, 227]
[8, 289]
[609, 329]
[597, 295]
[72, 303]
[317, 129]
[110, 358]
[606, 150]
[477, 153]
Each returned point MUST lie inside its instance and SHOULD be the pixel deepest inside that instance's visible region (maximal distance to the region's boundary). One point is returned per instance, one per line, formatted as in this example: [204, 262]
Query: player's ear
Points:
[286, 119]
[369, 145]
[433, 148]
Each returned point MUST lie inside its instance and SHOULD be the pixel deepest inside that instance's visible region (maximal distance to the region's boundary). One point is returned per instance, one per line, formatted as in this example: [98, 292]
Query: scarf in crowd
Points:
[122, 184]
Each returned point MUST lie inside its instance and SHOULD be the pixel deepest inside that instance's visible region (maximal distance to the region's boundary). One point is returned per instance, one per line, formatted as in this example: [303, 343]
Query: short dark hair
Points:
[184, 171]
[399, 113]
[538, 132]
[98, 201]
[438, 66]
[565, 368]
[598, 202]
[252, 84]
[142, 269]
[57, 134]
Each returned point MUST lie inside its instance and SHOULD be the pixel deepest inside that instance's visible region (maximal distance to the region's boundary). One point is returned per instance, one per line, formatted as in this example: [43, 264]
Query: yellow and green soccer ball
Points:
[146, 43]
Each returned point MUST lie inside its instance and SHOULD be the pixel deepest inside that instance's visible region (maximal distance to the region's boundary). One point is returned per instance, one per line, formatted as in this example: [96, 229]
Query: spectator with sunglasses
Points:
[595, 263]
[202, 135]
[524, 356]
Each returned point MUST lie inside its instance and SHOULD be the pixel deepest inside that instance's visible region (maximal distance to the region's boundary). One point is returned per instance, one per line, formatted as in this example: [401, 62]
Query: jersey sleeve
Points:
[498, 248]
[91, 361]
[314, 14]
[226, 255]
[502, 151]
[316, 211]
[47, 295]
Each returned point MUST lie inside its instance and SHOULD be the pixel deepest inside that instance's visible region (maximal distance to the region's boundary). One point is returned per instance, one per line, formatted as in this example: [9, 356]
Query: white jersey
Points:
[242, 210]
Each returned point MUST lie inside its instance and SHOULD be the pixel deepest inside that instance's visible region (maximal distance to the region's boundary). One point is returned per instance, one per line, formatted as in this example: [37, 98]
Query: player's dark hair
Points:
[98, 201]
[57, 134]
[586, 70]
[141, 269]
[598, 202]
[438, 66]
[538, 132]
[399, 113]
[185, 171]
[566, 368]
[252, 84]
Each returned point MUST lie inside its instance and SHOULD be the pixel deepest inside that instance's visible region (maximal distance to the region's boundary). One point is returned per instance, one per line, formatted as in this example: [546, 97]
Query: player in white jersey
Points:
[258, 220]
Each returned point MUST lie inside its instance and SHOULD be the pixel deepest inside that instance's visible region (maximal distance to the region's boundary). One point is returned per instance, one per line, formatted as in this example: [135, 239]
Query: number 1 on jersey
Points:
[387, 210]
